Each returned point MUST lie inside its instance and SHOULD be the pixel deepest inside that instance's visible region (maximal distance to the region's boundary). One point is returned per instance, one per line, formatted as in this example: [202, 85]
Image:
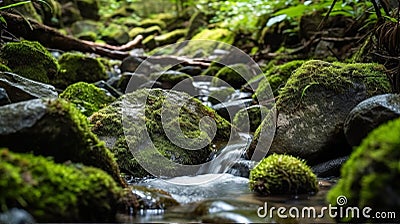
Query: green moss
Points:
[250, 118]
[282, 174]
[234, 75]
[171, 37]
[149, 42]
[54, 192]
[76, 67]
[152, 22]
[220, 95]
[277, 77]
[4, 68]
[336, 76]
[115, 34]
[135, 32]
[30, 59]
[86, 97]
[370, 176]
[108, 123]
[152, 30]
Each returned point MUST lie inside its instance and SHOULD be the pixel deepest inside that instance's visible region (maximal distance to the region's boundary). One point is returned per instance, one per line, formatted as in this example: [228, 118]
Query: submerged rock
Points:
[56, 193]
[21, 89]
[54, 127]
[314, 104]
[370, 176]
[143, 114]
[369, 114]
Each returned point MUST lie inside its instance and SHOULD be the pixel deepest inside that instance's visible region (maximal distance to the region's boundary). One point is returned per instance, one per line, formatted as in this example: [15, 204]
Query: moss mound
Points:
[30, 60]
[86, 97]
[107, 123]
[332, 76]
[54, 192]
[76, 67]
[370, 176]
[282, 174]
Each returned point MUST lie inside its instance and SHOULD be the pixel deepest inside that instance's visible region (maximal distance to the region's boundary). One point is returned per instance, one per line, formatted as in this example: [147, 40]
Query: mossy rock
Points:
[207, 47]
[370, 176]
[135, 32]
[170, 79]
[84, 26]
[277, 77]
[107, 124]
[152, 22]
[250, 118]
[235, 75]
[30, 60]
[196, 22]
[89, 9]
[213, 69]
[150, 198]
[54, 127]
[149, 42]
[153, 30]
[282, 174]
[115, 34]
[53, 192]
[171, 37]
[86, 97]
[76, 67]
[220, 95]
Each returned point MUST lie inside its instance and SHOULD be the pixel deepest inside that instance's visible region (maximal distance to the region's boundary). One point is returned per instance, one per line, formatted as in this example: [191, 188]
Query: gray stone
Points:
[131, 63]
[21, 89]
[4, 97]
[16, 216]
[369, 114]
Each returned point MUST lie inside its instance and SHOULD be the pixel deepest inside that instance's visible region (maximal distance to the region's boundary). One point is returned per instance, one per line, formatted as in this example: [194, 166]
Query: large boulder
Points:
[369, 114]
[121, 137]
[53, 192]
[54, 127]
[370, 177]
[314, 104]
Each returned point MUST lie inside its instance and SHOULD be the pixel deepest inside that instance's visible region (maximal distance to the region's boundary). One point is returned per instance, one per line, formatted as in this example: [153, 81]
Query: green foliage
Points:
[86, 97]
[370, 176]
[54, 192]
[282, 174]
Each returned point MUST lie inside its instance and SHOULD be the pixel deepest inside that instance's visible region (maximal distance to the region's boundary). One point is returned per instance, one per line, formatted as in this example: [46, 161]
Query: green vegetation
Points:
[369, 177]
[54, 192]
[30, 59]
[115, 34]
[86, 97]
[250, 118]
[235, 75]
[282, 174]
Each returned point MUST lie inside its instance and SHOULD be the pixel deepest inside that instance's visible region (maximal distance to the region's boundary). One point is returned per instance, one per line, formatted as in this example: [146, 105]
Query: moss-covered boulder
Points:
[276, 77]
[115, 34]
[76, 67]
[250, 118]
[171, 37]
[107, 124]
[235, 75]
[314, 104]
[220, 95]
[54, 127]
[282, 174]
[86, 97]
[56, 193]
[29, 59]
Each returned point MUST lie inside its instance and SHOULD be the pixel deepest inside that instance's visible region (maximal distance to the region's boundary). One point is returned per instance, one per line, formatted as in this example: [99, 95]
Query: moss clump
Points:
[135, 32]
[336, 76]
[152, 22]
[220, 95]
[250, 118]
[115, 34]
[277, 77]
[370, 176]
[86, 97]
[149, 42]
[235, 75]
[30, 59]
[54, 192]
[282, 174]
[171, 37]
[153, 30]
[76, 67]
[107, 123]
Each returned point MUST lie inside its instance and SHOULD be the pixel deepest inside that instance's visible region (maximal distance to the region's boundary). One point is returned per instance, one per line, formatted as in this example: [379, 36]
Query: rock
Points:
[16, 216]
[242, 168]
[174, 79]
[370, 176]
[191, 70]
[131, 63]
[220, 95]
[70, 13]
[134, 81]
[153, 30]
[134, 32]
[115, 34]
[314, 104]
[108, 89]
[145, 23]
[107, 124]
[229, 109]
[56, 192]
[30, 60]
[282, 174]
[89, 9]
[86, 97]
[21, 89]
[54, 127]
[77, 67]
[249, 118]
[369, 114]
[171, 37]
[149, 198]
[85, 27]
[330, 168]
[4, 97]
[149, 42]
[234, 75]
